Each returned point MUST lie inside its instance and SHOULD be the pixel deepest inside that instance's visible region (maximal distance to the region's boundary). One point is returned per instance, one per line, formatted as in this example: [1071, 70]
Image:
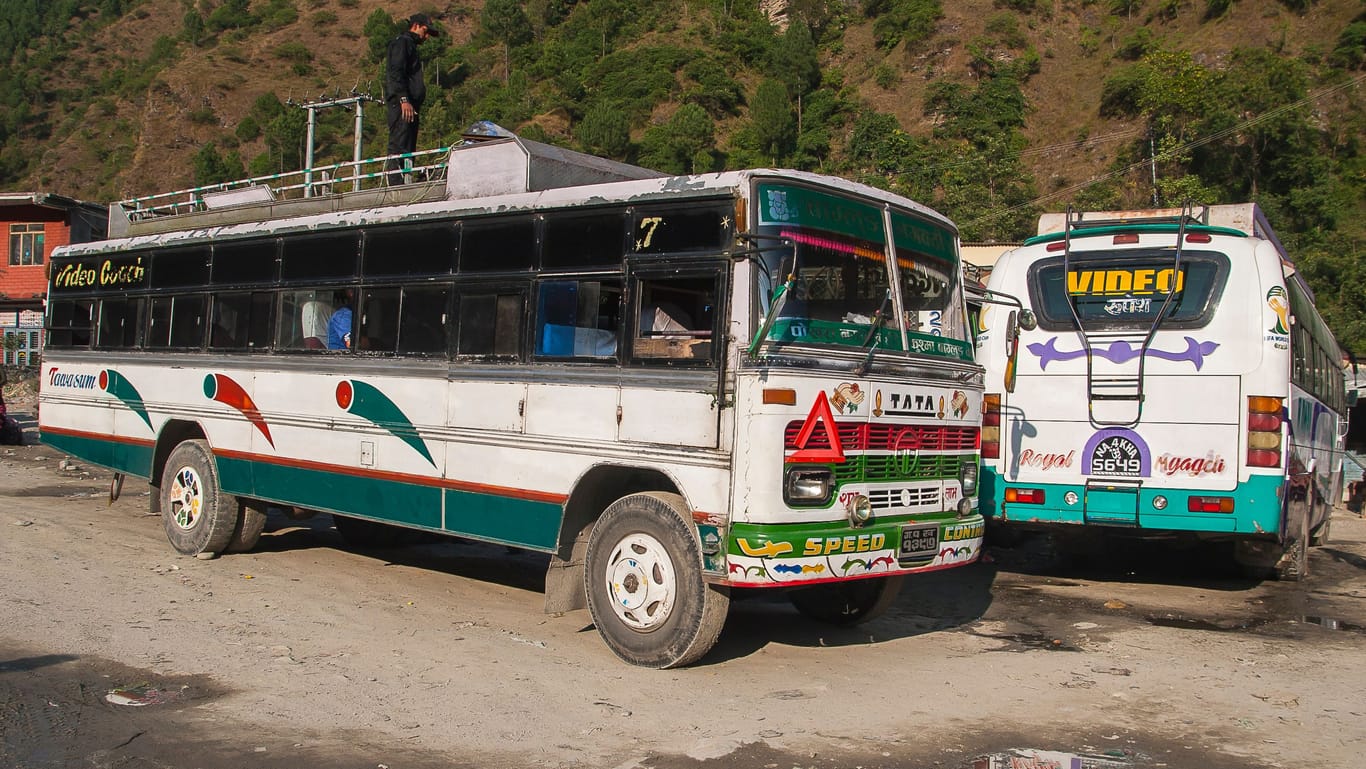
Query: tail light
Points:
[1026, 496]
[1210, 504]
[1263, 431]
[991, 426]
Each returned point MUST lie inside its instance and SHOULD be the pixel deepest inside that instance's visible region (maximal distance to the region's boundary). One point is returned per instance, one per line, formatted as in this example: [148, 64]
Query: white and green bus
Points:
[675, 387]
[1175, 382]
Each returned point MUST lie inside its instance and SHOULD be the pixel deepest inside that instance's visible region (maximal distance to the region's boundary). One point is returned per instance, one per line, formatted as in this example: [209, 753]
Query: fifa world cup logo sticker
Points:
[1276, 300]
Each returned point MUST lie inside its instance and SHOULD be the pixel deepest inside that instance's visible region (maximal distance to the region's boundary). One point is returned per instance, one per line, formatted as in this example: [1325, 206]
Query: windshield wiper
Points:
[874, 327]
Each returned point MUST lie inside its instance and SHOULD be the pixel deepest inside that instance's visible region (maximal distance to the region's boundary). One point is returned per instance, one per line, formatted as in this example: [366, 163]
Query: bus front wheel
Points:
[644, 583]
[199, 518]
[847, 603]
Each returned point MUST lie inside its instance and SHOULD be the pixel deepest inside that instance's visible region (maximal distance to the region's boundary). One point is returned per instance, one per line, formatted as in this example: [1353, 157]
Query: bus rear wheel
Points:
[198, 517]
[847, 603]
[644, 583]
[1294, 565]
[251, 521]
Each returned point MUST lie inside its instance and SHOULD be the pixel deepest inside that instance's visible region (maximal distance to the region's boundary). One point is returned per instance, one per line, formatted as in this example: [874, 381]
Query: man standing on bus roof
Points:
[405, 90]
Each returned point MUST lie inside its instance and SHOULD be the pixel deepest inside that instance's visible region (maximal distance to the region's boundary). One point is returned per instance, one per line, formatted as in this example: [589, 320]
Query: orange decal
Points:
[820, 414]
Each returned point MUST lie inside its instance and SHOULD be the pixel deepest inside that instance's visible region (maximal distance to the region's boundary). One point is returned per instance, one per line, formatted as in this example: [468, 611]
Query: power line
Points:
[1175, 151]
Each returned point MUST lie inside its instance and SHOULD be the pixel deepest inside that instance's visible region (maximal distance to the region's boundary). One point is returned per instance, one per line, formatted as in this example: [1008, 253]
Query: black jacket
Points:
[403, 75]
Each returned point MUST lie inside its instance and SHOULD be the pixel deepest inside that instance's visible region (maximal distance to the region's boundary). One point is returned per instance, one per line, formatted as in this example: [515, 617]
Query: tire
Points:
[366, 535]
[1256, 559]
[643, 581]
[1294, 565]
[251, 521]
[199, 518]
[1321, 535]
[847, 603]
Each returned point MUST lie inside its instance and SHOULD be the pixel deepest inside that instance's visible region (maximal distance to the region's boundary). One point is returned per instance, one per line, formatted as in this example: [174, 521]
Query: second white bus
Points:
[1178, 382]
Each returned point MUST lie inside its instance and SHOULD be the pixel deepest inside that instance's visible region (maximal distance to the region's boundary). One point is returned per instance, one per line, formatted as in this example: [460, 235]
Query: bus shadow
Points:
[510, 567]
[929, 603]
[1204, 565]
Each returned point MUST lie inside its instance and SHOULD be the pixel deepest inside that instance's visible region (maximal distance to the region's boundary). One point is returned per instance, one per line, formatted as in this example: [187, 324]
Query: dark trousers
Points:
[402, 140]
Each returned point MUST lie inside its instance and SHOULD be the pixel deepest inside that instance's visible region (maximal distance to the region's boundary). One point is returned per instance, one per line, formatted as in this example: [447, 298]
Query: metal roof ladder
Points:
[1126, 383]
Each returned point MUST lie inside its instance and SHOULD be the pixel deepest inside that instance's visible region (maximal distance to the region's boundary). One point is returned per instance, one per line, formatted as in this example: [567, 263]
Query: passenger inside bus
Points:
[314, 316]
[339, 326]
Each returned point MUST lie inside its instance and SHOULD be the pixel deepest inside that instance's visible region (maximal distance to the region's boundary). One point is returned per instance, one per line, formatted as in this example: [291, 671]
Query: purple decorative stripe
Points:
[1121, 351]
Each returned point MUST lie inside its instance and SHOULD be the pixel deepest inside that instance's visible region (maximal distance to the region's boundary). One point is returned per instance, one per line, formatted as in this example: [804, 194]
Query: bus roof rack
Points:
[1049, 223]
[1243, 217]
[489, 161]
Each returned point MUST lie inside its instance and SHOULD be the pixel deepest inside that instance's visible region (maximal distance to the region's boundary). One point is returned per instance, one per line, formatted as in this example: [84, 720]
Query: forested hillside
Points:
[989, 110]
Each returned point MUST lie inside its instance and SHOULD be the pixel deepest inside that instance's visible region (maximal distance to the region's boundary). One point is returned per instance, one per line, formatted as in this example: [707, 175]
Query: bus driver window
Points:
[674, 318]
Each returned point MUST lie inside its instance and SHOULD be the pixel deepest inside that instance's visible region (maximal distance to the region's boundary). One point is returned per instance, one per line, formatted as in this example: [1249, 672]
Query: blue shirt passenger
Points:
[339, 330]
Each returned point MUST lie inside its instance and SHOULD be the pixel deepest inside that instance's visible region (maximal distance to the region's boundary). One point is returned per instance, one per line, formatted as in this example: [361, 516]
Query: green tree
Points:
[796, 63]
[211, 167]
[232, 14]
[380, 29]
[683, 145]
[506, 23]
[605, 130]
[193, 29]
[903, 20]
[770, 112]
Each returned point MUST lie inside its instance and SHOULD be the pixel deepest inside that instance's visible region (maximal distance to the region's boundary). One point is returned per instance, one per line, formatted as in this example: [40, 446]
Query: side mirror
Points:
[1012, 348]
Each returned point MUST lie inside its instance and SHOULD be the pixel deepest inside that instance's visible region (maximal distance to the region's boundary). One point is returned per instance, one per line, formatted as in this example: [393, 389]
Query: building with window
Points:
[31, 225]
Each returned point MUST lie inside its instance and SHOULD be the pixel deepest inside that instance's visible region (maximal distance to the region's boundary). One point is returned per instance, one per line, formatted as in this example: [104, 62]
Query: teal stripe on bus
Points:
[1256, 506]
[127, 457]
[524, 522]
[528, 523]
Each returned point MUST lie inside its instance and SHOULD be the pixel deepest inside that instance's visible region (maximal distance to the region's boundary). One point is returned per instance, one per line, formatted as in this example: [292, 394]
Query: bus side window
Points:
[490, 325]
[379, 320]
[674, 318]
[70, 323]
[241, 320]
[121, 323]
[422, 320]
[301, 319]
[177, 321]
[578, 318]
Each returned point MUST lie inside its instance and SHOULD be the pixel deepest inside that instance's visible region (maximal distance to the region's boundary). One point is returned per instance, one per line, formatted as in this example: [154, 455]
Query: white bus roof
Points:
[494, 176]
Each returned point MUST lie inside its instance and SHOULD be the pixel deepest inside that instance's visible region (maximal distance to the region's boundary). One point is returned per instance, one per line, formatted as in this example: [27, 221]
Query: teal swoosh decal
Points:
[114, 383]
[367, 402]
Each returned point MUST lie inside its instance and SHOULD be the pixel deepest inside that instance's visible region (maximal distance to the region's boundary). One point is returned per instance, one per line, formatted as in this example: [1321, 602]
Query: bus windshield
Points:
[841, 290]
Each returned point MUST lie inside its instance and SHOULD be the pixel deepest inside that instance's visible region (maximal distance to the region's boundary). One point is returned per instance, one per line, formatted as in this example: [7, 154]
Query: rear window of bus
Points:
[1127, 288]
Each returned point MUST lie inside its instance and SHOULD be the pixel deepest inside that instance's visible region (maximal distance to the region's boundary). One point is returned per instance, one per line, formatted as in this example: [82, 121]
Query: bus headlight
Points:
[808, 486]
[967, 475]
[860, 511]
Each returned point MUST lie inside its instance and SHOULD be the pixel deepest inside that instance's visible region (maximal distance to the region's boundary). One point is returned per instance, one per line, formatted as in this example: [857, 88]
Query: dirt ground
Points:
[117, 652]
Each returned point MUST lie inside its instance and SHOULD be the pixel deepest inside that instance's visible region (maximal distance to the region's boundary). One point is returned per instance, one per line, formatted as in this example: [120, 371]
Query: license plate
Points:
[919, 541]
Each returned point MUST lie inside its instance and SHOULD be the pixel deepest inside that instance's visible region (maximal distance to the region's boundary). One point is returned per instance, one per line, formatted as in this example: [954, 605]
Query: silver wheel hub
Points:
[641, 582]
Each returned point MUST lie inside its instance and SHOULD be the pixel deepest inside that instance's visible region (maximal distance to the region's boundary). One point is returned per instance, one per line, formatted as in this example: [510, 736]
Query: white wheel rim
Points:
[187, 498]
[641, 582]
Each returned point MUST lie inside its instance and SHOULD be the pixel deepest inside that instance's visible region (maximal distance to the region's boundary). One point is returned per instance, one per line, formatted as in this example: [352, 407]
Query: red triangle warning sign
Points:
[820, 415]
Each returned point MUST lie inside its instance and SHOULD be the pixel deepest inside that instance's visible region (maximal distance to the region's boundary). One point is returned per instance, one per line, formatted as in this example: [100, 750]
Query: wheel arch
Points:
[173, 433]
[597, 488]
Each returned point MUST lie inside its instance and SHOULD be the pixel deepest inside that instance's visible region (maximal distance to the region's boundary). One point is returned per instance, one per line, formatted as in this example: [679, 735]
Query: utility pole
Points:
[1152, 159]
[344, 102]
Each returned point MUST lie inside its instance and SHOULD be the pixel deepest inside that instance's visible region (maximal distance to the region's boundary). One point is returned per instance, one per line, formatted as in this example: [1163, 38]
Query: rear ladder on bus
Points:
[1124, 385]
